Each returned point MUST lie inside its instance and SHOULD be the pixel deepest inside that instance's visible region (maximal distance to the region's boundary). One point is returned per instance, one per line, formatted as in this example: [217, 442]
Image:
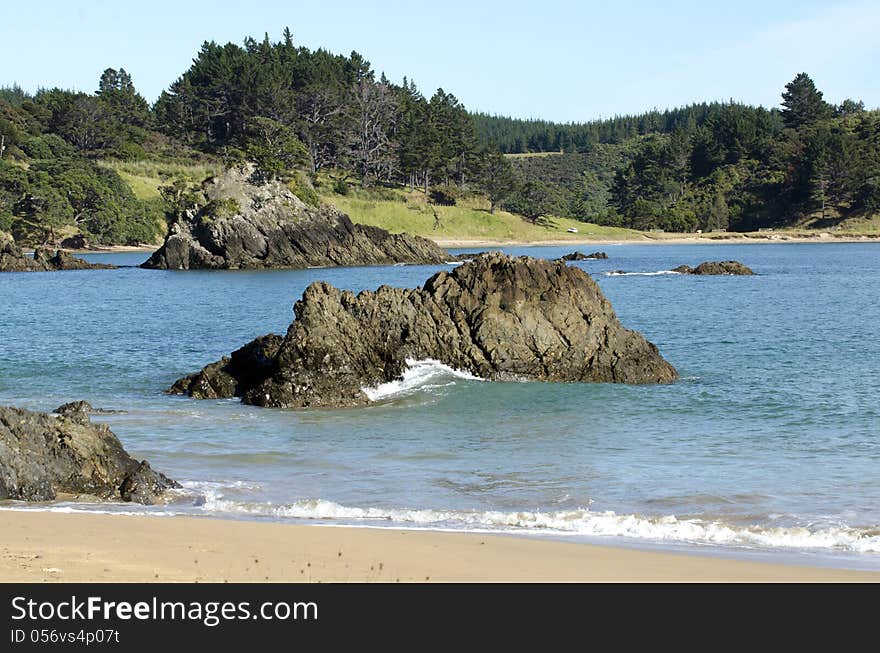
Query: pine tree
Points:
[803, 103]
[496, 179]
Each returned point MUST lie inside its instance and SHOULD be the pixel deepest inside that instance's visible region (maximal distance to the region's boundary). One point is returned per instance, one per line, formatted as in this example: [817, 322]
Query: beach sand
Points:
[58, 547]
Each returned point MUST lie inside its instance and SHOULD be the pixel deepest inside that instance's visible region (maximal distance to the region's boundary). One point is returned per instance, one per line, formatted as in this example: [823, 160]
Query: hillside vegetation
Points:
[403, 210]
[118, 170]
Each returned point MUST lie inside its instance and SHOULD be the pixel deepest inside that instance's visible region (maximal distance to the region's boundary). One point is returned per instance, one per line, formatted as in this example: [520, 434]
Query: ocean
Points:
[768, 446]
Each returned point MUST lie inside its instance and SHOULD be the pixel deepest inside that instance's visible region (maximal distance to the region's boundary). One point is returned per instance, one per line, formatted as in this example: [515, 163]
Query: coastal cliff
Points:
[497, 317]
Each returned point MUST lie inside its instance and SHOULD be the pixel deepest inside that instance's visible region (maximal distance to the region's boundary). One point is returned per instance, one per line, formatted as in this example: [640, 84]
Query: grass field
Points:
[145, 177]
[400, 210]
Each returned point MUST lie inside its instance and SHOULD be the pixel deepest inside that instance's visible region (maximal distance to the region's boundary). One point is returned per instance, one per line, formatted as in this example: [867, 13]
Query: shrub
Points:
[444, 196]
[340, 187]
[48, 146]
[300, 186]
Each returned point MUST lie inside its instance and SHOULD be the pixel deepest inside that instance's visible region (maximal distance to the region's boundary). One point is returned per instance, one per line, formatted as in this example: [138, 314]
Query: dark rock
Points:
[579, 256]
[42, 455]
[232, 375]
[467, 256]
[77, 241]
[74, 407]
[497, 317]
[82, 408]
[715, 268]
[62, 260]
[13, 259]
[267, 226]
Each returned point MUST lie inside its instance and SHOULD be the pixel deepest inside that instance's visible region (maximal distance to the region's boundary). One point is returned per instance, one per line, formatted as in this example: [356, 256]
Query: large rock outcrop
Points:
[44, 455]
[497, 317]
[716, 268]
[13, 259]
[246, 225]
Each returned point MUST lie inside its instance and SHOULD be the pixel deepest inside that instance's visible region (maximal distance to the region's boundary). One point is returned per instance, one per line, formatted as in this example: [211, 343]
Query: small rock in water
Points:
[579, 256]
[716, 268]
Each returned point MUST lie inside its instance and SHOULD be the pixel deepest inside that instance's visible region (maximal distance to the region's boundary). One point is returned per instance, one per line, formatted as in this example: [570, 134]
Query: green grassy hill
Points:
[398, 209]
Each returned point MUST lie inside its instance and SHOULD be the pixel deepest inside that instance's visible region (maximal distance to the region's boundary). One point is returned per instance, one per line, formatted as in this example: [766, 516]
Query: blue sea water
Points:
[770, 442]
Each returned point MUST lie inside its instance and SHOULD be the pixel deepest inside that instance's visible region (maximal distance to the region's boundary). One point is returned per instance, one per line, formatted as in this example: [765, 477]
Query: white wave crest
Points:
[418, 375]
[571, 522]
[618, 273]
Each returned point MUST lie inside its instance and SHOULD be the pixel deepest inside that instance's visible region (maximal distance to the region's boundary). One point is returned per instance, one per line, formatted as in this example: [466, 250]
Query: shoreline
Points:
[42, 546]
[460, 243]
[464, 243]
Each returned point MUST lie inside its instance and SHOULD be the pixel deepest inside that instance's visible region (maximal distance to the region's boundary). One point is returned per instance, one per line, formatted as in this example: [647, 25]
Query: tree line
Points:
[715, 166]
[296, 111]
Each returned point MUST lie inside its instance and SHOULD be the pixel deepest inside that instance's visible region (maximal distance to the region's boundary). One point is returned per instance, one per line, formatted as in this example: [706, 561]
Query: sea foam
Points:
[418, 375]
[582, 522]
[614, 273]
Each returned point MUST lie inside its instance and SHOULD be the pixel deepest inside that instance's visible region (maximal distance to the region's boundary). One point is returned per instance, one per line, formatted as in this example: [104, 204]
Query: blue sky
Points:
[557, 59]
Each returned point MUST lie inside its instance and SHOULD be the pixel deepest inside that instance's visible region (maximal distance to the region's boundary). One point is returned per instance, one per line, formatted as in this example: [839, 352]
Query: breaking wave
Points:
[218, 499]
[569, 522]
[618, 273]
[418, 375]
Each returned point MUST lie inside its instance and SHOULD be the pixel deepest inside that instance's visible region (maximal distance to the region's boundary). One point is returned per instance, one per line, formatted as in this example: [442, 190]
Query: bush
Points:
[340, 187]
[221, 208]
[129, 151]
[444, 196]
[300, 186]
[48, 146]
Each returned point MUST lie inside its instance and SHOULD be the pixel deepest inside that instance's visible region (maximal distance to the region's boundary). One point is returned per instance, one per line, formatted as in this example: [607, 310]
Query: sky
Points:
[560, 60]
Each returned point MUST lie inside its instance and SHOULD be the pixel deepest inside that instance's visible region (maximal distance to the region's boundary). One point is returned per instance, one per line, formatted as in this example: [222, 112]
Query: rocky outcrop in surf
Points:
[44, 455]
[245, 224]
[13, 259]
[580, 256]
[716, 268]
[497, 317]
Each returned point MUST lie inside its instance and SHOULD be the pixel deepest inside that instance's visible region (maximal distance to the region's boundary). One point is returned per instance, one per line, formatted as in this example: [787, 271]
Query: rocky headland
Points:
[244, 223]
[43, 456]
[497, 317]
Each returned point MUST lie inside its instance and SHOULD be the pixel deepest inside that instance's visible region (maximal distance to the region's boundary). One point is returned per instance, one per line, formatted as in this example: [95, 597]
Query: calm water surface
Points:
[769, 443]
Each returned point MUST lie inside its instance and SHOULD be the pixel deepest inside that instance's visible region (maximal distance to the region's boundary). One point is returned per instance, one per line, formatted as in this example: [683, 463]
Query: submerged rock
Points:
[74, 407]
[13, 259]
[249, 225]
[580, 256]
[716, 267]
[496, 317]
[467, 256]
[44, 455]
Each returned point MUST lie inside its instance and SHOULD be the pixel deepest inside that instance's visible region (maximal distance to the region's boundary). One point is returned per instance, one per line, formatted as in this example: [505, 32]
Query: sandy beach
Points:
[51, 547]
